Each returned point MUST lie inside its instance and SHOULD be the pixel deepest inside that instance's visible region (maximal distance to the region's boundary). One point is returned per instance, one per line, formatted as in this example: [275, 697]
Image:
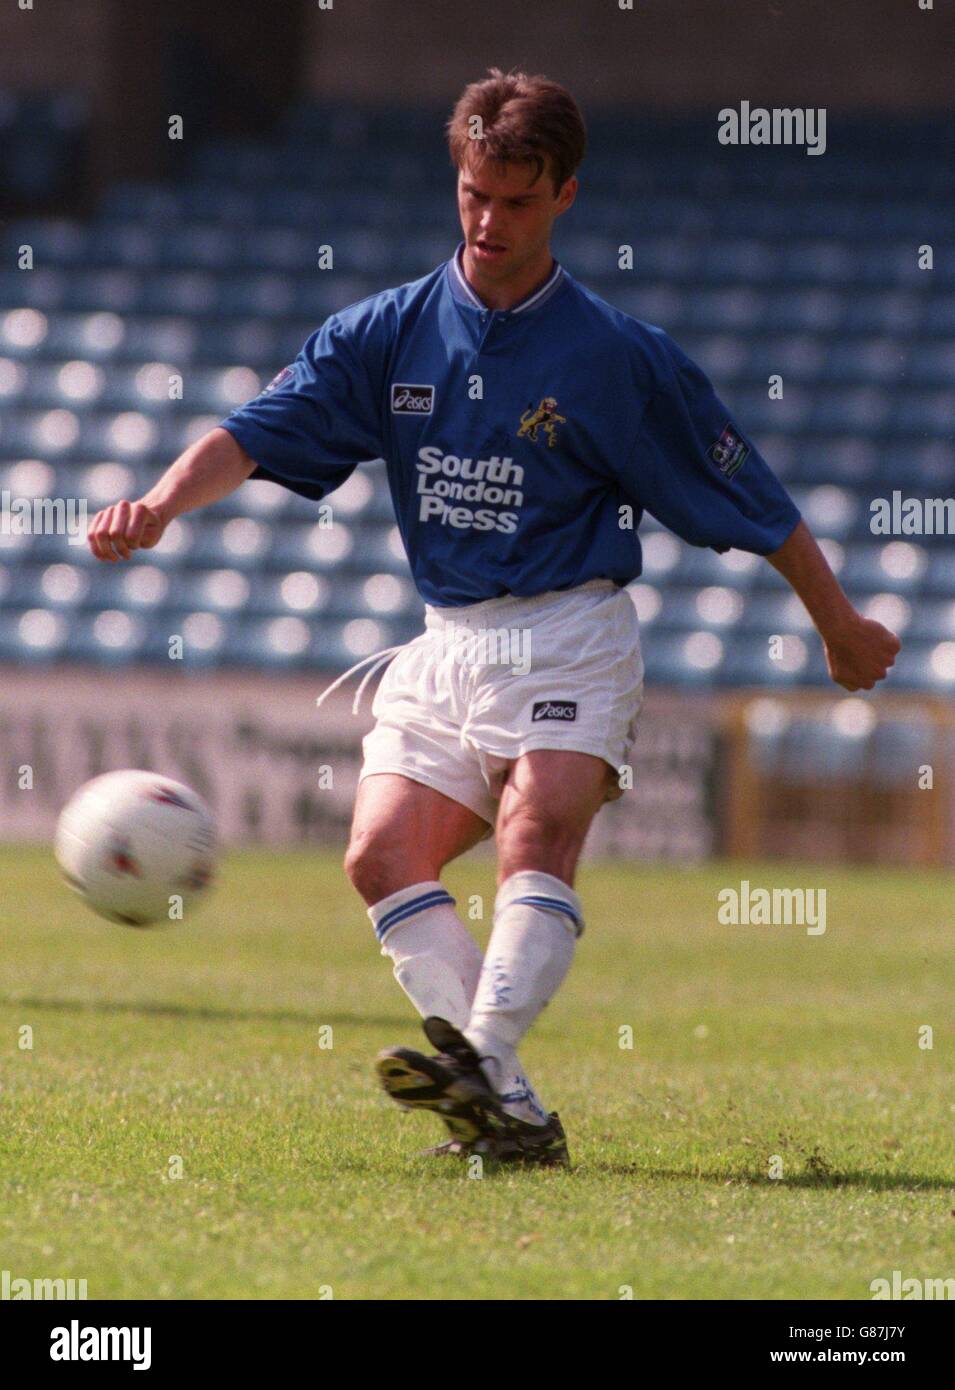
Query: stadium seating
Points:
[757, 266]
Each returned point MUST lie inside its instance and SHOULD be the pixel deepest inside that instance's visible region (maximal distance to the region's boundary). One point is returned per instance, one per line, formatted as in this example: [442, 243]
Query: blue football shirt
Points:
[522, 445]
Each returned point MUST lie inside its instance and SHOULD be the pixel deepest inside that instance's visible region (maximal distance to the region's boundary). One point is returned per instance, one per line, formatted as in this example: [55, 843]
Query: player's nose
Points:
[492, 232]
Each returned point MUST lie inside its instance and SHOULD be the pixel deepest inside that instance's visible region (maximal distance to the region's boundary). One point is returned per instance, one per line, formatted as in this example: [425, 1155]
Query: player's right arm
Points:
[209, 469]
[308, 430]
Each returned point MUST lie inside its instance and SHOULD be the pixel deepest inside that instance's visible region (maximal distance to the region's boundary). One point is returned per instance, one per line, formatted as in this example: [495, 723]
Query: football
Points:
[137, 847]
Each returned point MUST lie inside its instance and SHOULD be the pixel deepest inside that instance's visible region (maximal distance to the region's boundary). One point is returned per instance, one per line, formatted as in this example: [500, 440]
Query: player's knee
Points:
[375, 866]
[539, 835]
[361, 866]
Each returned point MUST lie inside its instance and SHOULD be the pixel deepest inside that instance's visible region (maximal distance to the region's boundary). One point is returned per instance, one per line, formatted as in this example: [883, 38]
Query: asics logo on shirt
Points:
[411, 400]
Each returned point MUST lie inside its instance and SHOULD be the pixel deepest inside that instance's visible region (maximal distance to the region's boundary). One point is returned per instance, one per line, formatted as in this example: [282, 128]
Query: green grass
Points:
[202, 1041]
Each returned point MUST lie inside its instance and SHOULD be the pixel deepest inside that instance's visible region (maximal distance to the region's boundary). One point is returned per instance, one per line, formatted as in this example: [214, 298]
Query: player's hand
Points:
[860, 653]
[116, 531]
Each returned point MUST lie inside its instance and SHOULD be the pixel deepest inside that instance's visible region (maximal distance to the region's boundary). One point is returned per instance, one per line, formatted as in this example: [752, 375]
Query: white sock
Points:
[537, 920]
[437, 961]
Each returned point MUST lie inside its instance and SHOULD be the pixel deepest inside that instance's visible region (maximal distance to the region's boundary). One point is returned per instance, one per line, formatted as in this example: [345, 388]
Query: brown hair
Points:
[524, 119]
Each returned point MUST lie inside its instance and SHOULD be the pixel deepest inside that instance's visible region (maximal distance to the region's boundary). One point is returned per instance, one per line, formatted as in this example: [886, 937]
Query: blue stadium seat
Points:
[806, 271]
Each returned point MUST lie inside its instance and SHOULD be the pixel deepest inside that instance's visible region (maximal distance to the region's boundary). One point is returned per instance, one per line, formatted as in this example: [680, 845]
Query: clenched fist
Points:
[860, 653]
[117, 531]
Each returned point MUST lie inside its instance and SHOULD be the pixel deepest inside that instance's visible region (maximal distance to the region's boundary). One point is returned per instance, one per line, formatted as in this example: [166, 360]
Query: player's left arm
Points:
[702, 478]
[859, 651]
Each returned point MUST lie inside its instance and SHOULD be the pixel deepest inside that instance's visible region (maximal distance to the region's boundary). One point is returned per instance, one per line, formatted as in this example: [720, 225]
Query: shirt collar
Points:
[464, 294]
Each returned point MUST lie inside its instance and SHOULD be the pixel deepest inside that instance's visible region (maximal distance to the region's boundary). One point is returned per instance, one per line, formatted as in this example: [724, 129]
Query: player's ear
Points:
[567, 194]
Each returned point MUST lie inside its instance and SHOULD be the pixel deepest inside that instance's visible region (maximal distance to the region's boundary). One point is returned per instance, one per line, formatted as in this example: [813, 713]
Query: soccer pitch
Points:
[751, 1045]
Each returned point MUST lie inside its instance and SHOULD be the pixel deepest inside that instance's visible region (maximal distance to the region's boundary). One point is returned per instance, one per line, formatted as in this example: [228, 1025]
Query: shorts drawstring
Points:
[377, 659]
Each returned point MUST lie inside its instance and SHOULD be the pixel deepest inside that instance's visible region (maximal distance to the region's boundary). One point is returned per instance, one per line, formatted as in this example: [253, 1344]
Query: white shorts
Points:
[488, 682]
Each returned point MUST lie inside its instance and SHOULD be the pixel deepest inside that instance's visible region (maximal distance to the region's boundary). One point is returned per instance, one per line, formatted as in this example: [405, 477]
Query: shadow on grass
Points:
[848, 1177]
[208, 1014]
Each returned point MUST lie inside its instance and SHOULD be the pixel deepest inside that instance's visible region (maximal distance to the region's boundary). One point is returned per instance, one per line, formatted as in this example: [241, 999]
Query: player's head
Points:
[515, 141]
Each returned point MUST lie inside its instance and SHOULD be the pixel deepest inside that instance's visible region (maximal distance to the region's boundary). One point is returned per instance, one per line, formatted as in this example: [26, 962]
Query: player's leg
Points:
[422, 801]
[547, 804]
[548, 746]
[403, 834]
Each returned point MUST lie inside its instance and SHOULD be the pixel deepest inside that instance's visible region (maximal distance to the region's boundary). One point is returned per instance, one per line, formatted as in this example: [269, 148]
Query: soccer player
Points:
[526, 425]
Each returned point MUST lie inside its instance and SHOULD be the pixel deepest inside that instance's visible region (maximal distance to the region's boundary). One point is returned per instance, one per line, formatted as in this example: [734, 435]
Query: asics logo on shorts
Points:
[555, 709]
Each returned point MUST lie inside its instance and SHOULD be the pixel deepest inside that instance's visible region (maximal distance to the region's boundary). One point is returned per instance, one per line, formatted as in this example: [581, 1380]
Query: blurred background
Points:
[132, 260]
